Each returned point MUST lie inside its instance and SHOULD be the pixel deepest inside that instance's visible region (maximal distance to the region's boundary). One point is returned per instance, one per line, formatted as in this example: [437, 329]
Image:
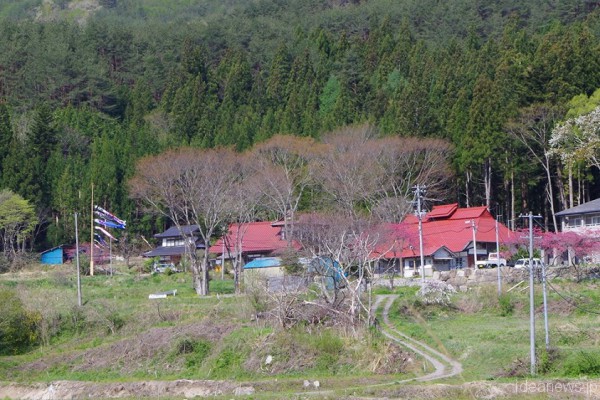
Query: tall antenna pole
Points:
[77, 258]
[92, 233]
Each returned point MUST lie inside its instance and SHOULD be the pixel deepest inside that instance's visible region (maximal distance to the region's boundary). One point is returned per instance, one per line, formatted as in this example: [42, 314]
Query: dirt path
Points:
[443, 365]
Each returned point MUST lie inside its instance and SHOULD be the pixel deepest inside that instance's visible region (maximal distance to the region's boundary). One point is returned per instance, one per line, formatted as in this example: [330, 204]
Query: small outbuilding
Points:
[53, 256]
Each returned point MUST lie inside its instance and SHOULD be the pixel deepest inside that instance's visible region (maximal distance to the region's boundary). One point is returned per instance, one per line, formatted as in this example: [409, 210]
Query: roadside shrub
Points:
[84, 264]
[256, 290]
[506, 305]
[195, 351]
[18, 326]
[291, 262]
[583, 363]
[227, 361]
[547, 359]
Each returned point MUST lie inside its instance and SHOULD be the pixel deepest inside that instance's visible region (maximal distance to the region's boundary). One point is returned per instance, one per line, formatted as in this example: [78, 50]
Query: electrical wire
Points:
[571, 301]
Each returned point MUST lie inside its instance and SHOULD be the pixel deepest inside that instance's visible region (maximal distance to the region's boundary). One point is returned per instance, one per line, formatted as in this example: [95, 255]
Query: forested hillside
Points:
[89, 87]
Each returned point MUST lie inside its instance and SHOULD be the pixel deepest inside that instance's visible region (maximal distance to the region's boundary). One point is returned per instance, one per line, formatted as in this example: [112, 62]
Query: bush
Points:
[195, 351]
[18, 326]
[148, 265]
[506, 305]
[583, 363]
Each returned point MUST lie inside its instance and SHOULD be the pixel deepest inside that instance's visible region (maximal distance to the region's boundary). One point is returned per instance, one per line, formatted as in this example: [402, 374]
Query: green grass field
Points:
[119, 335]
[491, 339]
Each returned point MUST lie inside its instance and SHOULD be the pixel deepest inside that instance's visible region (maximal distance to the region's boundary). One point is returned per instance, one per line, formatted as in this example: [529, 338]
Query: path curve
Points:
[444, 366]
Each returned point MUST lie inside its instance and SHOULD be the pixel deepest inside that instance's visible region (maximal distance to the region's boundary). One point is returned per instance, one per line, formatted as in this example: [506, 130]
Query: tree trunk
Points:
[204, 277]
[571, 186]
[550, 193]
[467, 184]
[487, 181]
[561, 188]
[512, 200]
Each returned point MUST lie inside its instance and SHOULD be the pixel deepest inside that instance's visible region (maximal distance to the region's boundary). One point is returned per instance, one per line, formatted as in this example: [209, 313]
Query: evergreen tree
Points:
[6, 134]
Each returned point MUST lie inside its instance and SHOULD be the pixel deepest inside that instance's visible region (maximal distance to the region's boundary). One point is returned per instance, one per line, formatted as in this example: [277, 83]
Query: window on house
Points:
[575, 222]
[592, 220]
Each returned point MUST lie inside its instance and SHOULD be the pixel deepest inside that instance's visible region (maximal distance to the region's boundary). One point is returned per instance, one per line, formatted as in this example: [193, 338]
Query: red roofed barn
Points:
[253, 240]
[448, 233]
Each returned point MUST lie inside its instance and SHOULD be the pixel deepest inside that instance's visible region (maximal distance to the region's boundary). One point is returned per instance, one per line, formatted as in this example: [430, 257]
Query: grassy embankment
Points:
[120, 335]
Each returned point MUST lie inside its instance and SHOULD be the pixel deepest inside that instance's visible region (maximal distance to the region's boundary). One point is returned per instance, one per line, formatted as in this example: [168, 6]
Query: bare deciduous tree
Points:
[363, 174]
[533, 128]
[344, 253]
[348, 171]
[190, 187]
[282, 171]
[245, 206]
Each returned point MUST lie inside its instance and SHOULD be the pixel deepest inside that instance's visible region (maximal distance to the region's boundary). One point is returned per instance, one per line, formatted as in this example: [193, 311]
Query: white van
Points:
[523, 263]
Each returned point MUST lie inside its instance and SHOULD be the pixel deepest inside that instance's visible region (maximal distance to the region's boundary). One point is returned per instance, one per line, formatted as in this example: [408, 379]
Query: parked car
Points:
[161, 268]
[494, 260]
[523, 263]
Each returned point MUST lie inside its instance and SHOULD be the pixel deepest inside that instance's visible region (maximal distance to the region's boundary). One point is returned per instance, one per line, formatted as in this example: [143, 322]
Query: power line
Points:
[571, 301]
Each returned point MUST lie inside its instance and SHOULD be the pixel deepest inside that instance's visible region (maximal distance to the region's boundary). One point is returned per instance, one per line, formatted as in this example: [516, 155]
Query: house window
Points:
[459, 262]
[174, 242]
[592, 220]
[575, 222]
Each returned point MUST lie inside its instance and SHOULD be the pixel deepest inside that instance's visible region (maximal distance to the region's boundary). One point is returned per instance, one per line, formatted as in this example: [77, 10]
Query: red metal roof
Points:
[257, 237]
[442, 211]
[450, 229]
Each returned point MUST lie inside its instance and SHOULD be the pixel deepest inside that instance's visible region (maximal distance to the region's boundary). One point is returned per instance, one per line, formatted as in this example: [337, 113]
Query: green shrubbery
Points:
[18, 326]
[506, 305]
[582, 363]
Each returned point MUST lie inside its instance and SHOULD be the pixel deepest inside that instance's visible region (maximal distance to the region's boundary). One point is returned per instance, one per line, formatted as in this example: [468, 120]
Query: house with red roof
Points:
[253, 240]
[449, 234]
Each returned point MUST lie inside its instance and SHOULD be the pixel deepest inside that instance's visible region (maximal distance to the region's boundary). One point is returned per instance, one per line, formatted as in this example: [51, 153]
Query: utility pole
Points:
[498, 264]
[420, 192]
[531, 298]
[110, 255]
[531, 294]
[77, 259]
[474, 229]
[92, 233]
[223, 257]
[547, 331]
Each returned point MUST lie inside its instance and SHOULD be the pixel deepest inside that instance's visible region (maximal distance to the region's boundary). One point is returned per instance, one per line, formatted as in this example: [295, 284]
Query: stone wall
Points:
[464, 278]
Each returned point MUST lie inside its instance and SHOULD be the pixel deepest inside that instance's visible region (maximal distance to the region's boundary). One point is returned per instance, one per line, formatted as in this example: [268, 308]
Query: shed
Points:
[53, 256]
